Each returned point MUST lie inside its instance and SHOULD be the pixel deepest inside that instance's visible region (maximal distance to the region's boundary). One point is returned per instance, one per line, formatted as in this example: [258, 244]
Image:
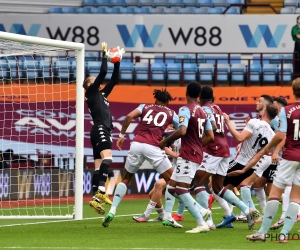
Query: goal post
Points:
[27, 63]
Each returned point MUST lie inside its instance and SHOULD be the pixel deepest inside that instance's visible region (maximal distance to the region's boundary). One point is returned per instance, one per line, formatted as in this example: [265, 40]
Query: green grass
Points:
[124, 233]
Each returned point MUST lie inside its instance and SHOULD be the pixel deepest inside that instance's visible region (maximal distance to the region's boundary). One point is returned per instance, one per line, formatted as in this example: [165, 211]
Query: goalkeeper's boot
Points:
[107, 219]
[95, 203]
[103, 197]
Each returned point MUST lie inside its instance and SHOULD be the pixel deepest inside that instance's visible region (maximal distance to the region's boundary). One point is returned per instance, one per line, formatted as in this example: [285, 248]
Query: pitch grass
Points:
[124, 233]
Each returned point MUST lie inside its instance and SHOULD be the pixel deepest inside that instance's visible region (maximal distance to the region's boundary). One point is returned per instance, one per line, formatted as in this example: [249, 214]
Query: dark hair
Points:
[162, 95]
[268, 98]
[193, 89]
[281, 100]
[272, 111]
[207, 93]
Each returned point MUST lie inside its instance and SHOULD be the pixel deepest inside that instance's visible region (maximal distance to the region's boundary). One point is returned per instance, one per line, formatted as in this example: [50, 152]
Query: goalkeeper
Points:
[98, 106]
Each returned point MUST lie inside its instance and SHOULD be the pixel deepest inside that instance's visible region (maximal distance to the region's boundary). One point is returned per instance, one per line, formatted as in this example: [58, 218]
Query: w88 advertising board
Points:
[193, 33]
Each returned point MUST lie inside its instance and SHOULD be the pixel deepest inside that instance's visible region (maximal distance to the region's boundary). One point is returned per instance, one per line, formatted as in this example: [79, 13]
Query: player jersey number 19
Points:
[149, 118]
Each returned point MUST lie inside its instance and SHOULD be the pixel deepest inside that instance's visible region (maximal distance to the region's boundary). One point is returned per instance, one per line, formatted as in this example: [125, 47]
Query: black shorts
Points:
[269, 173]
[236, 180]
[100, 140]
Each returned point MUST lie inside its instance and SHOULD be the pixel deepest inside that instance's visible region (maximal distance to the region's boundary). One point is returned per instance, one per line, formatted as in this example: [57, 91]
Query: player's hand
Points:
[170, 127]
[275, 159]
[121, 50]
[236, 173]
[168, 150]
[238, 147]
[162, 144]
[104, 47]
[120, 143]
[247, 119]
[226, 118]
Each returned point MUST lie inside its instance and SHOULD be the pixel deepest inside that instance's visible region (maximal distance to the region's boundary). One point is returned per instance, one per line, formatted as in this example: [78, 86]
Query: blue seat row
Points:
[144, 10]
[166, 3]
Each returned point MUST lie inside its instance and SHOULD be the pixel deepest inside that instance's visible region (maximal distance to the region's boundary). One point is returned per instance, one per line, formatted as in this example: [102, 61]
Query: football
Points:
[114, 55]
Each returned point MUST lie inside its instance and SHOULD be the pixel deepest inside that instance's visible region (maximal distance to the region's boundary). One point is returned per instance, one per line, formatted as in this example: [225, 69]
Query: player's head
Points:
[296, 87]
[88, 82]
[206, 95]
[193, 90]
[271, 111]
[263, 101]
[162, 97]
[279, 102]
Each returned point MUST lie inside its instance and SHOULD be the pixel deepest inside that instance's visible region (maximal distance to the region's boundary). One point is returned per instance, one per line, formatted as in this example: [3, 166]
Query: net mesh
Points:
[37, 138]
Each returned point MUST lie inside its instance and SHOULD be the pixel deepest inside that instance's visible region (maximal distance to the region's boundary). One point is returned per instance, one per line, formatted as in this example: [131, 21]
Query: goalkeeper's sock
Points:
[95, 181]
[103, 173]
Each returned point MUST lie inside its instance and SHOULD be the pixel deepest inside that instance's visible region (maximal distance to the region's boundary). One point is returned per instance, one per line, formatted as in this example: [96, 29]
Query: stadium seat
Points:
[219, 3]
[235, 59]
[205, 3]
[213, 59]
[178, 3]
[160, 59]
[62, 69]
[255, 72]
[233, 10]
[103, 3]
[84, 10]
[144, 10]
[202, 10]
[30, 69]
[69, 10]
[297, 11]
[158, 71]
[223, 71]
[288, 58]
[235, 2]
[190, 71]
[276, 59]
[174, 71]
[192, 3]
[200, 59]
[55, 10]
[119, 3]
[287, 71]
[288, 10]
[129, 10]
[238, 72]
[113, 10]
[149, 3]
[126, 70]
[270, 72]
[110, 69]
[158, 10]
[187, 10]
[134, 3]
[172, 10]
[14, 68]
[217, 10]
[141, 71]
[161, 3]
[290, 3]
[181, 58]
[206, 71]
[93, 68]
[46, 68]
[89, 3]
[99, 10]
[3, 69]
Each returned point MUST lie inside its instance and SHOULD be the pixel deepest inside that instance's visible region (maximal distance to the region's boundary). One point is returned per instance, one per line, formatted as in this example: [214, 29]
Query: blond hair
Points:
[296, 87]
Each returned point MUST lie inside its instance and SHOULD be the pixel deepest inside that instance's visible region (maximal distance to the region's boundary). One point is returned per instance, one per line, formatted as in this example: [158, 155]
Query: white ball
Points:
[114, 55]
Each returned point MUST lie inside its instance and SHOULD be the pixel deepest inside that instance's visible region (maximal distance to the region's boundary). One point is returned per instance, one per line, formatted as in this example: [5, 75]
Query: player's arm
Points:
[184, 117]
[275, 156]
[132, 115]
[170, 152]
[103, 69]
[113, 80]
[209, 134]
[239, 136]
[211, 117]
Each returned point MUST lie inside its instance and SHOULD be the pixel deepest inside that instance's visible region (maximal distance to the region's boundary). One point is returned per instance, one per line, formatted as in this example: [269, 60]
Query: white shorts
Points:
[288, 172]
[214, 164]
[262, 165]
[139, 152]
[184, 171]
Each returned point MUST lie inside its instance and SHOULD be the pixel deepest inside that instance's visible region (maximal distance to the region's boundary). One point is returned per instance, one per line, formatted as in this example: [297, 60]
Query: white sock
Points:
[223, 204]
[261, 197]
[149, 209]
[285, 200]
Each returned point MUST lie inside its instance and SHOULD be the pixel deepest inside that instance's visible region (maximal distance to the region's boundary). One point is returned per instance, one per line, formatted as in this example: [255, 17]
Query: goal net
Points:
[42, 126]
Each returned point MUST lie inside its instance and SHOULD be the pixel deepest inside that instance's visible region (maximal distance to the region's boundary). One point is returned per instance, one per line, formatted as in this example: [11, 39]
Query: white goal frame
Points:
[79, 53]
